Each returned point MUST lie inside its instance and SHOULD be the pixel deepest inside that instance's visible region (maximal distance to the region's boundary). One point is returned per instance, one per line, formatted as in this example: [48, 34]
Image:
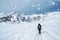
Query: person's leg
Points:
[39, 31]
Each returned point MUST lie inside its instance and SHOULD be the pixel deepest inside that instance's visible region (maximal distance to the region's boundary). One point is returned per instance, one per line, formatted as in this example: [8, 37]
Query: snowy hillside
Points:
[15, 17]
[24, 27]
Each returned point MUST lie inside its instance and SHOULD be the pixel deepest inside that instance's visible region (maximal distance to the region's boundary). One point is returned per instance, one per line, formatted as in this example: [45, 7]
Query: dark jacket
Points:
[39, 26]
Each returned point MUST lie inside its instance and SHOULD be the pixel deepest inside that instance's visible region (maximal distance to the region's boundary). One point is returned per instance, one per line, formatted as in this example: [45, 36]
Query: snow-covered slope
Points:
[28, 30]
[15, 17]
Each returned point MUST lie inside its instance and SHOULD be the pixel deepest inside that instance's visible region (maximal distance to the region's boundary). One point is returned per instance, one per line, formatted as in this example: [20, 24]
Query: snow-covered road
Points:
[28, 31]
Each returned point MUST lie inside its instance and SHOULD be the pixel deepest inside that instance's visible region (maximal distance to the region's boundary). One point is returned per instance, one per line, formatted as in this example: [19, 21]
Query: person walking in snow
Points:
[39, 28]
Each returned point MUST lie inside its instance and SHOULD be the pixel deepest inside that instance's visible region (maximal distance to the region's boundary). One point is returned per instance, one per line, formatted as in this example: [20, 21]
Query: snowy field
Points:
[28, 30]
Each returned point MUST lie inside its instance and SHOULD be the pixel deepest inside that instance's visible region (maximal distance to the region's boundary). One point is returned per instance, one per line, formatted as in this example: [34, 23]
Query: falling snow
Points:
[29, 6]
